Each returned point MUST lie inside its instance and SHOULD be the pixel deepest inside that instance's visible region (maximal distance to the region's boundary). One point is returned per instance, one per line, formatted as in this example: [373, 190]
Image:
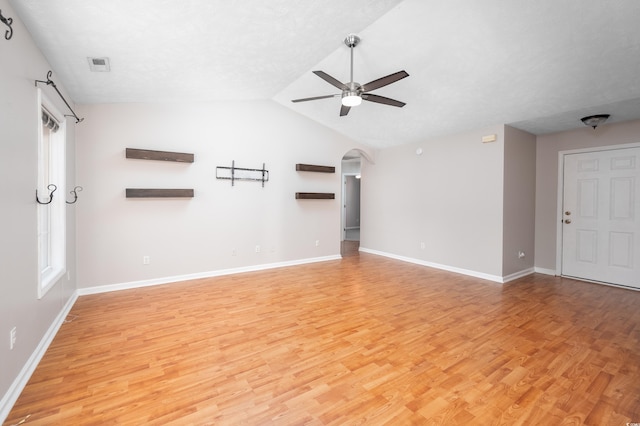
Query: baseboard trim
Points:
[482, 275]
[517, 275]
[476, 274]
[16, 388]
[209, 274]
[545, 271]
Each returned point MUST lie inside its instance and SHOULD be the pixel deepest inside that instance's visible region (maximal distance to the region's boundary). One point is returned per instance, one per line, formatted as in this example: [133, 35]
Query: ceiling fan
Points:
[353, 93]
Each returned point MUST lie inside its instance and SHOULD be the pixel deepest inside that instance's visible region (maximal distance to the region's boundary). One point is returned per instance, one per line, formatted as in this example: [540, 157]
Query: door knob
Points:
[567, 213]
[567, 221]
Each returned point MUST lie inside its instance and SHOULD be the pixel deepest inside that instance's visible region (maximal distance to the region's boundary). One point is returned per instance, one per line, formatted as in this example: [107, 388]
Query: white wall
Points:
[548, 147]
[519, 201]
[200, 235]
[22, 63]
[470, 203]
[450, 198]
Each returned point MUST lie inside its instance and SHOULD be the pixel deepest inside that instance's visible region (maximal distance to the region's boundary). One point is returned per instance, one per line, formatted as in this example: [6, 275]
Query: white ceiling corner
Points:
[538, 66]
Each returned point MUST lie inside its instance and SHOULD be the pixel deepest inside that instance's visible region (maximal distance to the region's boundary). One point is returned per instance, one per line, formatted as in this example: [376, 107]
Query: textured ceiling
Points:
[168, 50]
[538, 65]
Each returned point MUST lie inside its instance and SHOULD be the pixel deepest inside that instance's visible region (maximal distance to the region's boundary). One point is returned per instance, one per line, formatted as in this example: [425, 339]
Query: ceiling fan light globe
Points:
[351, 99]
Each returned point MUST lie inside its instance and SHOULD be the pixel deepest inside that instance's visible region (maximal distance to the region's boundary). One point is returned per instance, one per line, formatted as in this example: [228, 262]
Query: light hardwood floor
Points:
[364, 340]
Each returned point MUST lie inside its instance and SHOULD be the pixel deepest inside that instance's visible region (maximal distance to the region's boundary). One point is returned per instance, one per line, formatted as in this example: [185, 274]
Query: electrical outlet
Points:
[12, 338]
[422, 246]
[257, 249]
[146, 260]
[317, 243]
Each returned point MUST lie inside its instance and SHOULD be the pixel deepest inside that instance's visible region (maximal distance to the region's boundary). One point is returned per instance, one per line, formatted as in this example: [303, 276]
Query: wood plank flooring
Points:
[365, 340]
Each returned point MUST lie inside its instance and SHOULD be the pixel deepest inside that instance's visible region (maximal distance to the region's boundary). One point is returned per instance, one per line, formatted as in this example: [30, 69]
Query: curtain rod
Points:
[50, 82]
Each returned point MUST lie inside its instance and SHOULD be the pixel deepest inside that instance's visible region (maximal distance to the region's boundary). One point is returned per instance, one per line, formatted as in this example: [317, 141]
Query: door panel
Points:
[601, 224]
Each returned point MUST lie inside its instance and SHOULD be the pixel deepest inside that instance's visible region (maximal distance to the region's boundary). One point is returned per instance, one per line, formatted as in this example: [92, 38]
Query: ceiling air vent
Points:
[99, 64]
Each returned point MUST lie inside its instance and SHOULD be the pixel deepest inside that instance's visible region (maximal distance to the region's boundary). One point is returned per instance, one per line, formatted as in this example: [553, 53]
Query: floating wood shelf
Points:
[314, 168]
[147, 154]
[315, 196]
[159, 193]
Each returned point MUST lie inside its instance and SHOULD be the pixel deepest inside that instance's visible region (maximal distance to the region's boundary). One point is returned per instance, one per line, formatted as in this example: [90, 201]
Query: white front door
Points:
[601, 216]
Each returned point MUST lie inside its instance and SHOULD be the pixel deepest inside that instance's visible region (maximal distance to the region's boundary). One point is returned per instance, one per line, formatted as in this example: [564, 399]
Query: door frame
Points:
[560, 192]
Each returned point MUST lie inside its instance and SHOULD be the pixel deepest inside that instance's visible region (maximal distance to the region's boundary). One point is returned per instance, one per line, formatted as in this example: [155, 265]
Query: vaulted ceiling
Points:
[537, 65]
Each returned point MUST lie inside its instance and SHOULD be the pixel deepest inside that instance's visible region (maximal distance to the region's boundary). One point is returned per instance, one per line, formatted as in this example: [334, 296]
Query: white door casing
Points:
[601, 216]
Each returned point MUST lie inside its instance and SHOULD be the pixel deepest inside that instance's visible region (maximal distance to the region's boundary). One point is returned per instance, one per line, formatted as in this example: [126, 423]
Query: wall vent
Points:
[99, 64]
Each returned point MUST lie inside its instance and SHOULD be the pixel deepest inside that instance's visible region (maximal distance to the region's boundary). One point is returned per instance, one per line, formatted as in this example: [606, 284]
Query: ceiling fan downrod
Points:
[352, 41]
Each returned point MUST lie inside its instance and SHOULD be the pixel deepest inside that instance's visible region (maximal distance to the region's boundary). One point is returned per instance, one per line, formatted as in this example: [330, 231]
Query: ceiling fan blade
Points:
[314, 98]
[382, 100]
[334, 82]
[383, 81]
[344, 110]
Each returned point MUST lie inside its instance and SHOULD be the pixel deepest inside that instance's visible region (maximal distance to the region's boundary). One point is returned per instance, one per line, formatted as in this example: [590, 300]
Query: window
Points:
[52, 216]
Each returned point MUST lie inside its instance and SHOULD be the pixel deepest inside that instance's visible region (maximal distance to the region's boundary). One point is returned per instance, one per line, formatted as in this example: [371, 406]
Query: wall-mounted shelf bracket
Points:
[234, 173]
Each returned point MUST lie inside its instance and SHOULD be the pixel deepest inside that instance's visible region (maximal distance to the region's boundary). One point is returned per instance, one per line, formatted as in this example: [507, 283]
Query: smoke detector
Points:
[99, 64]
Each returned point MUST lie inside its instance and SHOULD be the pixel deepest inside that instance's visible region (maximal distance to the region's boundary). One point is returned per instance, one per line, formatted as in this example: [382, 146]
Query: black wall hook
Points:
[49, 187]
[74, 192]
[8, 22]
